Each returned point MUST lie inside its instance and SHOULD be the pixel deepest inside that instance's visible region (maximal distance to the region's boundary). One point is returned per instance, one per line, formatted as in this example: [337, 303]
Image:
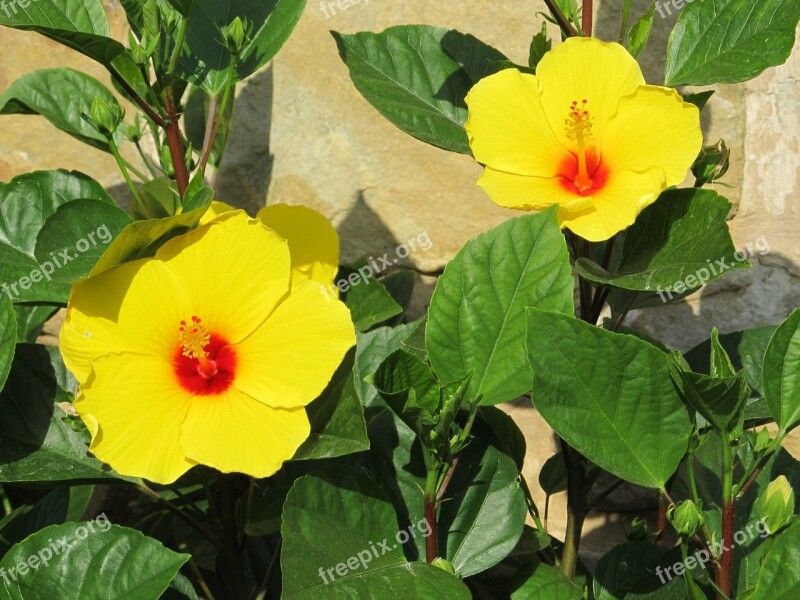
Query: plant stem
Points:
[176, 53]
[175, 142]
[262, 592]
[724, 570]
[431, 550]
[180, 514]
[230, 536]
[586, 20]
[123, 167]
[200, 579]
[576, 511]
[562, 20]
[148, 110]
[623, 30]
[218, 113]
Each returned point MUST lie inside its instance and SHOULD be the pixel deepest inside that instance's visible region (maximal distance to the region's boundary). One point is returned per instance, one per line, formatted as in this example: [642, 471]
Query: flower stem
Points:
[216, 114]
[123, 167]
[175, 142]
[230, 536]
[430, 515]
[587, 14]
[561, 19]
[576, 511]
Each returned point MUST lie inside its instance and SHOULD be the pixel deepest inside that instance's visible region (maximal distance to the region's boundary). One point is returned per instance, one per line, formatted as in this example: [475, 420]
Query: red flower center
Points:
[204, 362]
[583, 172]
[596, 174]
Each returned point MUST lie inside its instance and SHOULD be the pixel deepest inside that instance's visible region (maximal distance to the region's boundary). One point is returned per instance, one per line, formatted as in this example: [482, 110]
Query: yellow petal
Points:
[290, 359]
[616, 206]
[654, 127]
[135, 407]
[216, 209]
[134, 307]
[313, 241]
[235, 270]
[524, 192]
[507, 127]
[235, 433]
[586, 69]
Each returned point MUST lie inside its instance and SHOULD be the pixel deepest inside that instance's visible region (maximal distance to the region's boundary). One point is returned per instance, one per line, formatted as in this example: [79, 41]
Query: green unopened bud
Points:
[712, 163]
[237, 35]
[444, 565]
[105, 117]
[166, 161]
[763, 441]
[775, 506]
[639, 531]
[685, 517]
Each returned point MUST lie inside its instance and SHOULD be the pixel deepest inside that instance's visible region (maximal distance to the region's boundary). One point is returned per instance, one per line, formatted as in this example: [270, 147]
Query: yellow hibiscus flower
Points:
[205, 354]
[313, 241]
[585, 133]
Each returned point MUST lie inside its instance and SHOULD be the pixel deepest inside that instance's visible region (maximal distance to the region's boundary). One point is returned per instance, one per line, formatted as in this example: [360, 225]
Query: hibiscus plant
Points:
[227, 416]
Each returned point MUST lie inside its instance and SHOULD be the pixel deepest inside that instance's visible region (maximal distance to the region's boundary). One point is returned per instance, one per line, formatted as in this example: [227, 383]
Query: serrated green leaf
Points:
[640, 32]
[372, 349]
[476, 321]
[100, 562]
[540, 45]
[546, 583]
[8, 337]
[334, 519]
[610, 396]
[727, 41]
[677, 244]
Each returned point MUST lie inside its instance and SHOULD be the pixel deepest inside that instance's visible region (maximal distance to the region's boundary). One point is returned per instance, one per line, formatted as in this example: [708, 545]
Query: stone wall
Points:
[303, 134]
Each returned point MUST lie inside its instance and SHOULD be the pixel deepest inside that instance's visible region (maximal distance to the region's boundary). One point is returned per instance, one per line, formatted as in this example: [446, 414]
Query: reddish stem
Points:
[430, 539]
[587, 17]
[175, 142]
[725, 568]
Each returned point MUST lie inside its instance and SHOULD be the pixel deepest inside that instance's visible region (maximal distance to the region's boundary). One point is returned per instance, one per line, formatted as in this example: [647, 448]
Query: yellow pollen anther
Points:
[194, 338]
[579, 122]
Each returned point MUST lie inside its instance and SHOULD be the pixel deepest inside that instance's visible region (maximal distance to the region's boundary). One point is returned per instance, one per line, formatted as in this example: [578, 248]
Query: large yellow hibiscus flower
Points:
[585, 133]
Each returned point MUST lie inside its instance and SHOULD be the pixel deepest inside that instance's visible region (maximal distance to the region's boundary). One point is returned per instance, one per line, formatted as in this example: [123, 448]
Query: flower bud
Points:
[775, 506]
[685, 517]
[105, 117]
[237, 35]
[444, 565]
[712, 163]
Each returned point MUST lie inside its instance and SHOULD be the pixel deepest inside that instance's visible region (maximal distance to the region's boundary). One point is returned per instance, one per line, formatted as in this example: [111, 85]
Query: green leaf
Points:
[679, 243]
[89, 561]
[475, 57]
[30, 320]
[409, 387]
[81, 230]
[505, 433]
[745, 348]
[720, 400]
[205, 60]
[640, 32]
[778, 575]
[727, 41]
[61, 96]
[25, 205]
[553, 476]
[37, 443]
[50, 510]
[142, 239]
[721, 365]
[341, 519]
[8, 337]
[629, 571]
[476, 321]
[160, 199]
[407, 75]
[371, 350]
[370, 303]
[472, 538]
[82, 26]
[608, 395]
[337, 419]
[540, 45]
[546, 583]
[781, 373]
